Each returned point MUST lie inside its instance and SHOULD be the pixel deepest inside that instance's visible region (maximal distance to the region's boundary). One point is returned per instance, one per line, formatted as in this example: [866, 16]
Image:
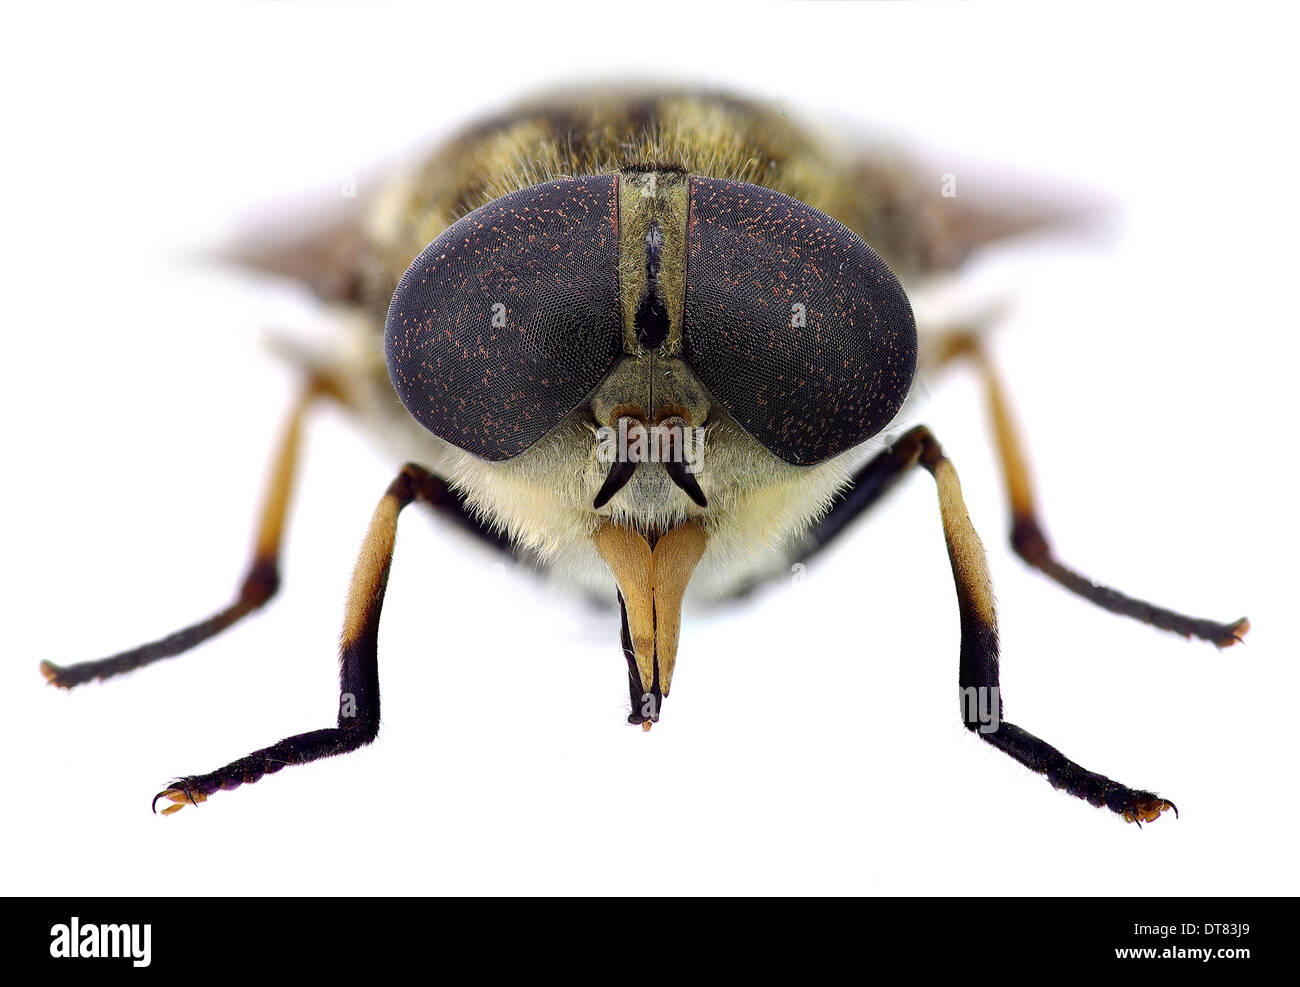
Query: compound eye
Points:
[507, 321]
[795, 325]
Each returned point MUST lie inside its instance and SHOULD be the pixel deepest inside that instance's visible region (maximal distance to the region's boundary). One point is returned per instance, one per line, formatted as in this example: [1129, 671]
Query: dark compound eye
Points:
[506, 322]
[794, 324]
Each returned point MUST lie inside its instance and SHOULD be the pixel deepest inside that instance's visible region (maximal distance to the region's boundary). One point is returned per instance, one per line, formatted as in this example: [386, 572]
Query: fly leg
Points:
[261, 580]
[978, 675]
[1027, 535]
[358, 714]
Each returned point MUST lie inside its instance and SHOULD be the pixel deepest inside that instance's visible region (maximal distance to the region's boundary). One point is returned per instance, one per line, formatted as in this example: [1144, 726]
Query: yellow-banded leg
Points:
[1027, 535]
[262, 578]
[978, 676]
[358, 715]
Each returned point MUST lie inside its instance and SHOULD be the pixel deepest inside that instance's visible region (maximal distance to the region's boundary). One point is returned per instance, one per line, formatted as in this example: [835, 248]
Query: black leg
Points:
[358, 715]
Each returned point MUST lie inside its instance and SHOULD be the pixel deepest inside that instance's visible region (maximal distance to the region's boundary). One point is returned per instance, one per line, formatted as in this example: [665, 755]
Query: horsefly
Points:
[647, 334]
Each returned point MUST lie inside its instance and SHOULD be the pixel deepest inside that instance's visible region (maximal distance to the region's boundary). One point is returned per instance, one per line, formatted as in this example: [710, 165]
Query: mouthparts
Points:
[652, 583]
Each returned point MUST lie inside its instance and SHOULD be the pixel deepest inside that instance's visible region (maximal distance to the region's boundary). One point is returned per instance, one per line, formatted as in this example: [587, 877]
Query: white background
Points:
[1152, 369]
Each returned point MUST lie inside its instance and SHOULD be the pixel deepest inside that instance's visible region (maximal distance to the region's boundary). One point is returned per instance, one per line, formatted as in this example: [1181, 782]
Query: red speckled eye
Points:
[793, 323]
[506, 322]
